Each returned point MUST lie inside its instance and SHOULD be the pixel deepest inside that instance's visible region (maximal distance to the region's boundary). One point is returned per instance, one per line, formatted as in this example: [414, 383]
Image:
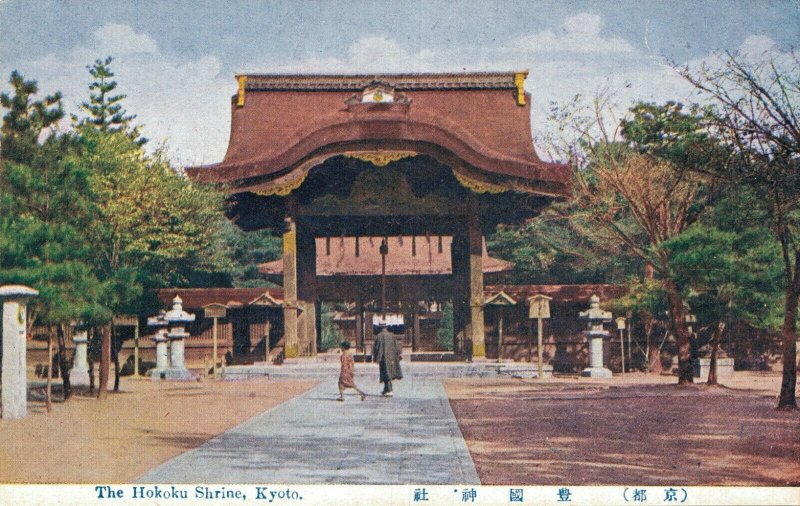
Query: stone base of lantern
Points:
[172, 374]
[157, 373]
[596, 372]
[78, 377]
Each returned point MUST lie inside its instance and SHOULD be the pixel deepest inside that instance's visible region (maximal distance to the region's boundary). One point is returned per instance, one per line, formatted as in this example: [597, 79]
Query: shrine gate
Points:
[376, 157]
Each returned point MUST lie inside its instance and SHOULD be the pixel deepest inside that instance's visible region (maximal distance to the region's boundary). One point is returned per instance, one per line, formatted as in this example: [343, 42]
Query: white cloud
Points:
[579, 34]
[187, 102]
[755, 46]
[119, 40]
[372, 53]
[183, 102]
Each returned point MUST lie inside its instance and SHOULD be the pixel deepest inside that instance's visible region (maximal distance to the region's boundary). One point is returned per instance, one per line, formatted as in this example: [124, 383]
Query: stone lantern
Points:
[159, 323]
[14, 396]
[595, 318]
[79, 374]
[177, 319]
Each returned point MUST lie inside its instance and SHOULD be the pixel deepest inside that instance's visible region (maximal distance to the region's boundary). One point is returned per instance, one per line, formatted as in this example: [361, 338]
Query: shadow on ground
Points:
[634, 435]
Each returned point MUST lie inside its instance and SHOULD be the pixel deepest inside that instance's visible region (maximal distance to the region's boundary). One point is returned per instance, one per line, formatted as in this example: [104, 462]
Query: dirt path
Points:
[636, 431]
[128, 433]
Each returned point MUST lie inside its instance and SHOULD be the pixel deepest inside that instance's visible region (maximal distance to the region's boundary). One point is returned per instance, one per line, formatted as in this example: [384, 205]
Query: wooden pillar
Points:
[360, 327]
[475, 239]
[460, 266]
[306, 290]
[415, 327]
[307, 327]
[369, 336]
[290, 307]
[318, 326]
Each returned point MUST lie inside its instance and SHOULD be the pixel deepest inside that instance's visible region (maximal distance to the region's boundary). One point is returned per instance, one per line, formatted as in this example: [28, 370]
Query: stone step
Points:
[307, 369]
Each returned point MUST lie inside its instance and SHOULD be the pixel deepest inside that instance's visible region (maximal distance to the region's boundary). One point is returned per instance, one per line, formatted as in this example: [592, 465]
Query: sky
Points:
[176, 60]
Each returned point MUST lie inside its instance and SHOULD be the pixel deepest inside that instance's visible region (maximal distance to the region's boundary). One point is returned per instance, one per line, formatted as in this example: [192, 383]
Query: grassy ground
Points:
[119, 438]
[640, 430]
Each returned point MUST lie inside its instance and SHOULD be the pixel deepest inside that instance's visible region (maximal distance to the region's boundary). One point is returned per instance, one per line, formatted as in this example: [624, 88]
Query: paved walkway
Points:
[313, 439]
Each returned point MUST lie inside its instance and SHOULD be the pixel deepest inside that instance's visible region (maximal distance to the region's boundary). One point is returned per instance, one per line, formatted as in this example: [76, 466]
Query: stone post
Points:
[177, 318]
[79, 374]
[14, 402]
[596, 333]
[160, 338]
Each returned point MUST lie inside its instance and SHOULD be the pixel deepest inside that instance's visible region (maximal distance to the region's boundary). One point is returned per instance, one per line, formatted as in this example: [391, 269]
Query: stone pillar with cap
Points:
[79, 374]
[14, 397]
[159, 323]
[595, 318]
[177, 319]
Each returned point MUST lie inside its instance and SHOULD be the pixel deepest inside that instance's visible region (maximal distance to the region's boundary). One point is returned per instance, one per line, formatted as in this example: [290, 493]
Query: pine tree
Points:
[104, 108]
[45, 203]
[26, 118]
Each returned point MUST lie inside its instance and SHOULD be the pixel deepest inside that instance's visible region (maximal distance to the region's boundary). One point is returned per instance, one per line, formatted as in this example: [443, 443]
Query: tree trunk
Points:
[115, 358]
[654, 360]
[48, 388]
[62, 362]
[677, 313]
[789, 348]
[90, 358]
[712, 364]
[105, 356]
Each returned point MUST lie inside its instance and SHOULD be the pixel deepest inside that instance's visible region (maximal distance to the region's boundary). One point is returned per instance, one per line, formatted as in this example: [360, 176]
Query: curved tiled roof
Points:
[286, 120]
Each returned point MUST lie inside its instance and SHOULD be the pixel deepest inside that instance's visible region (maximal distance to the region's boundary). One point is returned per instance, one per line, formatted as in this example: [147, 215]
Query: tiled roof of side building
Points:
[231, 297]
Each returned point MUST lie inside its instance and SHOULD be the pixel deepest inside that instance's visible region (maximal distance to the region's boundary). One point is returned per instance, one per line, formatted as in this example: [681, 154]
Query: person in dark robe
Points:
[386, 352]
[347, 373]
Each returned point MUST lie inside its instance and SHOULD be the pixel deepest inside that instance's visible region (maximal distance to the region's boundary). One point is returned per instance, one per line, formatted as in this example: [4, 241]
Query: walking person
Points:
[386, 352]
[347, 372]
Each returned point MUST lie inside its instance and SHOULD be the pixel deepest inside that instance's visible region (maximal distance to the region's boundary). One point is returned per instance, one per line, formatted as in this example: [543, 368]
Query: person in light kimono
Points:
[347, 372]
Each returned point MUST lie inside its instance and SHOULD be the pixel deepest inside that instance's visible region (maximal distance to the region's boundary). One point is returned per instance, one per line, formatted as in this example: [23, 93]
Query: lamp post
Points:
[621, 327]
[595, 318]
[159, 323]
[539, 309]
[79, 374]
[177, 318]
[215, 311]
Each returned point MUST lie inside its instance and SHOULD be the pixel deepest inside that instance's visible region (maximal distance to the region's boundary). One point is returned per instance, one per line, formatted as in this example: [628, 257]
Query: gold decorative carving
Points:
[242, 85]
[519, 82]
[380, 158]
[283, 189]
[478, 186]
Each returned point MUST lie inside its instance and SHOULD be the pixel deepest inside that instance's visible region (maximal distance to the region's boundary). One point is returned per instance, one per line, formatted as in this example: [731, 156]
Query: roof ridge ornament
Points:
[519, 82]
[242, 87]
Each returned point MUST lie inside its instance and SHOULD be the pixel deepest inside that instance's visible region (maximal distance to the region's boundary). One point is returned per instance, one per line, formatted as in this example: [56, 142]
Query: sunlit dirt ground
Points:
[119, 438]
[640, 430]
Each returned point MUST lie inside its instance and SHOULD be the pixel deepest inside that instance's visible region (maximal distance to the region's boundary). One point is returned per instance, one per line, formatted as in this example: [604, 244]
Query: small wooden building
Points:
[252, 314]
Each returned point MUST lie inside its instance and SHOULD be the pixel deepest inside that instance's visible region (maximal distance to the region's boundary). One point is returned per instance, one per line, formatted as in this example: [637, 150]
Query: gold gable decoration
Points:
[519, 83]
[283, 189]
[478, 186]
[240, 93]
[380, 158]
